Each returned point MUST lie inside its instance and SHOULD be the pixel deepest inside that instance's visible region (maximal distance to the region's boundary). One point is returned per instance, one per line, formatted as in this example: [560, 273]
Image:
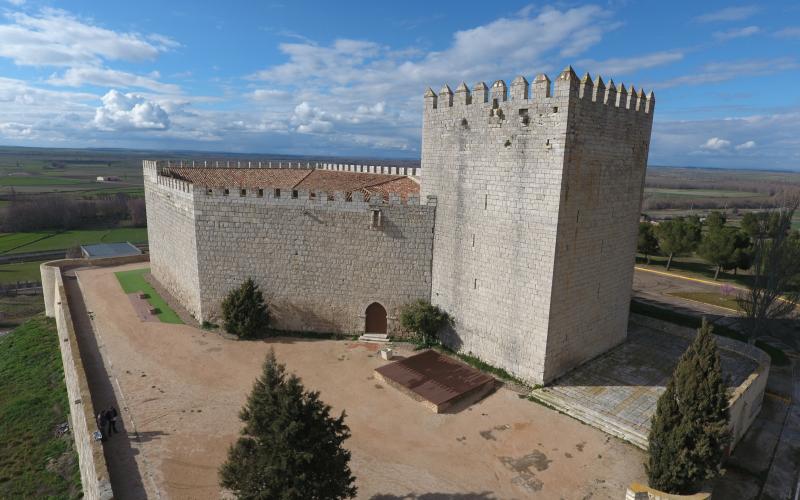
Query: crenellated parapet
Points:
[310, 199]
[160, 165]
[568, 86]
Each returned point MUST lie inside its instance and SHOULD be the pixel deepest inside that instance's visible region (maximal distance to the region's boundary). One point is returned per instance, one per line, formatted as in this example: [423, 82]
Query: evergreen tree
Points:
[678, 236]
[647, 244]
[689, 433]
[723, 247]
[245, 312]
[290, 448]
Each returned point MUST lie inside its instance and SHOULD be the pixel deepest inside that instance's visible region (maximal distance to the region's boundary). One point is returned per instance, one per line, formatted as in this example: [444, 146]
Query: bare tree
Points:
[773, 292]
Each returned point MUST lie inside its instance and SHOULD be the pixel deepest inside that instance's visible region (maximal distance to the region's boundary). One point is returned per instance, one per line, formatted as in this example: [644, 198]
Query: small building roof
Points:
[109, 250]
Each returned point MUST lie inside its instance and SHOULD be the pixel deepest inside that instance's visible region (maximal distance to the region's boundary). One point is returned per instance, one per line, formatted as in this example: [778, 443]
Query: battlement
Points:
[160, 165]
[567, 86]
[343, 199]
[282, 196]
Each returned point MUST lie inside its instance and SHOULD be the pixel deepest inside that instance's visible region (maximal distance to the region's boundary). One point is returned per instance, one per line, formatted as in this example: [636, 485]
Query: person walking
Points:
[102, 423]
[112, 419]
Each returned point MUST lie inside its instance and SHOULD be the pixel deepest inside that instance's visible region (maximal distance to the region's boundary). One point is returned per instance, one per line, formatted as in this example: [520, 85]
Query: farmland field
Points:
[42, 241]
[20, 271]
[701, 193]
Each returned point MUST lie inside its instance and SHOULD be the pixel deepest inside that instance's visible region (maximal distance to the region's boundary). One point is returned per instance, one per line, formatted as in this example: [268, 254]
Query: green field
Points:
[701, 193]
[38, 180]
[42, 241]
[133, 282]
[34, 463]
[20, 271]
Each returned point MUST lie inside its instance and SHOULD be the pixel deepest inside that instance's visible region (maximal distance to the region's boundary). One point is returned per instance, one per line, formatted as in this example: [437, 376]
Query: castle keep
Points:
[521, 224]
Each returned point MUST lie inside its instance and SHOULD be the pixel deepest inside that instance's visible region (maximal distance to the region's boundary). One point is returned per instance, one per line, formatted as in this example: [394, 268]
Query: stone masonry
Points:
[538, 200]
[524, 227]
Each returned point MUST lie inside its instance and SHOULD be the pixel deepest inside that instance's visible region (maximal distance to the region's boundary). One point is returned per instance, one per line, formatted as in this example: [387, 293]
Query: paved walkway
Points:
[183, 388]
[618, 391]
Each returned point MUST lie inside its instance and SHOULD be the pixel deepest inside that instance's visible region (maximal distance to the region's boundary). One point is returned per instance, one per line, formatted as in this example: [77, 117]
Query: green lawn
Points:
[714, 299]
[694, 268]
[20, 271]
[42, 241]
[34, 463]
[133, 282]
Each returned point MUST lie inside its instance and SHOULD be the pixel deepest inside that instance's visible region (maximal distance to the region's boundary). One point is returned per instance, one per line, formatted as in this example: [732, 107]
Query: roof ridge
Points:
[310, 171]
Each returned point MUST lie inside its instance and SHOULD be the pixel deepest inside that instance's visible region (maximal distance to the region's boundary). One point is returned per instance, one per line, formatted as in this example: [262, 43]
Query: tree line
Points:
[62, 213]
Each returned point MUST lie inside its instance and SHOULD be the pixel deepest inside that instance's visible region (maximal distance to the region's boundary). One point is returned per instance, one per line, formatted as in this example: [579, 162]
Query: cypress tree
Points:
[245, 312]
[689, 433]
[290, 448]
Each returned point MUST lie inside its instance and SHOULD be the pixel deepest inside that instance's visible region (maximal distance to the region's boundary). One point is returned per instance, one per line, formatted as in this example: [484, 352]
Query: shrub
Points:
[291, 448]
[689, 432]
[244, 311]
[424, 319]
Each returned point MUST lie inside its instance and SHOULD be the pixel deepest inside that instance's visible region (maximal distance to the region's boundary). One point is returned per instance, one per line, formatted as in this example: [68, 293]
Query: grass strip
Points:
[34, 461]
[133, 282]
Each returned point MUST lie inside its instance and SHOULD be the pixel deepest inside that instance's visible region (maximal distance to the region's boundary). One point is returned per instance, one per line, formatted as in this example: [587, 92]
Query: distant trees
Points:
[62, 213]
[647, 243]
[689, 433]
[424, 319]
[678, 236]
[290, 447]
[773, 292]
[244, 311]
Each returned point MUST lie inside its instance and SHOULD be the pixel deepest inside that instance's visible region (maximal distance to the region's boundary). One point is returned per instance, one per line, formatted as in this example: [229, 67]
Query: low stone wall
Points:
[638, 491]
[94, 472]
[745, 401]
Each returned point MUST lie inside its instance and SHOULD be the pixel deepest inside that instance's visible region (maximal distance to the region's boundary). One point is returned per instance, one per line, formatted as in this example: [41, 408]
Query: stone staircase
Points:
[380, 338]
[590, 417]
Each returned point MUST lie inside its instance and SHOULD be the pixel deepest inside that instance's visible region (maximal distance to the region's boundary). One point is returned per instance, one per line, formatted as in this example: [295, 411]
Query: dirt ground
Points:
[181, 388]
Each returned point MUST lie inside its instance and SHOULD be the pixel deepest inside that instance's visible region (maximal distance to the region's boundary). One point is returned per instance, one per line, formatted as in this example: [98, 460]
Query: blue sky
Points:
[347, 78]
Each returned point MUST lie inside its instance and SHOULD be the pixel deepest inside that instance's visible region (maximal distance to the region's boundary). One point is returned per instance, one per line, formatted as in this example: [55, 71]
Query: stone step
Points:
[591, 417]
[374, 337]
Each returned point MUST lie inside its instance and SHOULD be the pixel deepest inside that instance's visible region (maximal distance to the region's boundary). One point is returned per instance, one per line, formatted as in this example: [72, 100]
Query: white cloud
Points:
[790, 32]
[311, 120]
[722, 71]
[267, 94]
[17, 3]
[13, 130]
[54, 37]
[78, 77]
[737, 33]
[728, 14]
[716, 144]
[130, 111]
[746, 145]
[627, 65]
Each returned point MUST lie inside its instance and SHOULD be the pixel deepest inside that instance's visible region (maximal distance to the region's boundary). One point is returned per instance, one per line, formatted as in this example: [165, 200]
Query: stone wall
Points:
[605, 159]
[92, 464]
[510, 167]
[171, 236]
[320, 261]
[319, 258]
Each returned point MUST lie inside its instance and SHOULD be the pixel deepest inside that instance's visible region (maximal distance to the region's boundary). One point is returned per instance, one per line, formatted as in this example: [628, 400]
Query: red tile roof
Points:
[301, 179]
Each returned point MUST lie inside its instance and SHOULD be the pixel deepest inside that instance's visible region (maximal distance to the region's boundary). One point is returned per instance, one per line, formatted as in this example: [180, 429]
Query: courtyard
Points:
[180, 389]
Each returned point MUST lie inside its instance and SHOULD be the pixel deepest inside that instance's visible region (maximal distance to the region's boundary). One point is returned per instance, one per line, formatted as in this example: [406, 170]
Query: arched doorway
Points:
[375, 319]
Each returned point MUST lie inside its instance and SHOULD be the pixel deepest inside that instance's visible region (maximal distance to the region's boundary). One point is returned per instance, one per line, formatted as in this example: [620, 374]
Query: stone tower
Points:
[539, 193]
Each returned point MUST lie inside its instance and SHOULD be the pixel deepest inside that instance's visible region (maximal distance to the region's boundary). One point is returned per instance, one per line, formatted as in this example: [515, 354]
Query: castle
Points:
[522, 224]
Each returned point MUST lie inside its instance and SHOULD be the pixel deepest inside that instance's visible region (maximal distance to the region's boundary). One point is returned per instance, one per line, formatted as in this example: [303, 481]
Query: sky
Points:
[347, 78]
